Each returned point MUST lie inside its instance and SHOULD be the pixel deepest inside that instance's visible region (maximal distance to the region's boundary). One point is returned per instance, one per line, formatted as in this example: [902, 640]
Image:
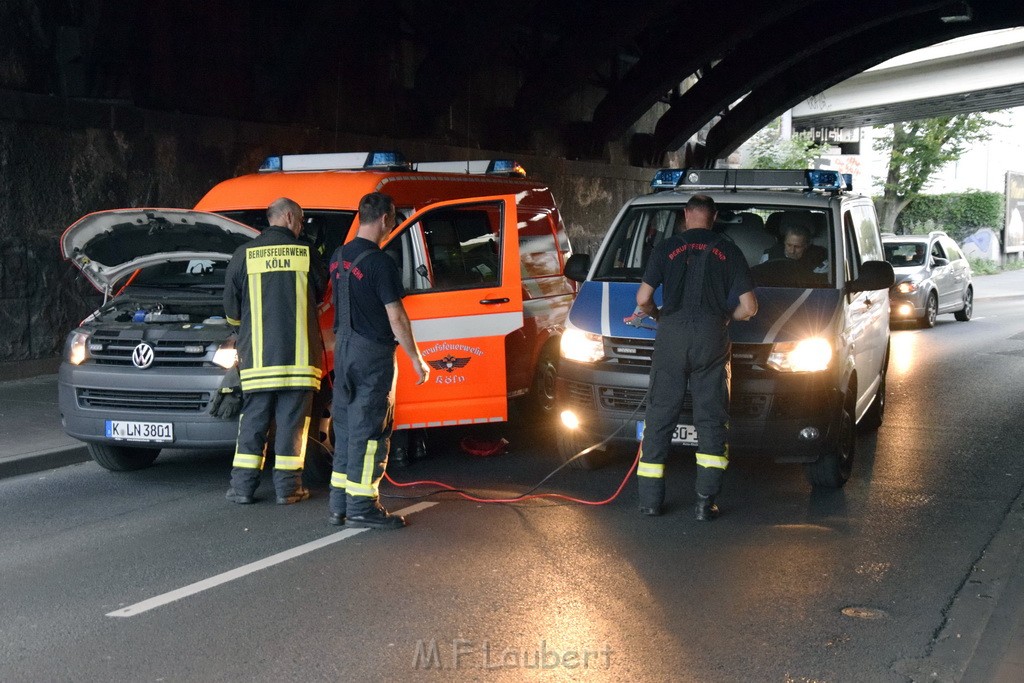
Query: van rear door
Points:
[460, 267]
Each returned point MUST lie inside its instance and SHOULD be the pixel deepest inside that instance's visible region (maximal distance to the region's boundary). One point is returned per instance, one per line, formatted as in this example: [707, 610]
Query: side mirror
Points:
[938, 261]
[873, 275]
[577, 266]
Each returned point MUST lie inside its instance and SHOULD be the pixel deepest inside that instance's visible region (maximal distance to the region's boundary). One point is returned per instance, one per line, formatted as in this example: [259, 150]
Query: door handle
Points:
[488, 302]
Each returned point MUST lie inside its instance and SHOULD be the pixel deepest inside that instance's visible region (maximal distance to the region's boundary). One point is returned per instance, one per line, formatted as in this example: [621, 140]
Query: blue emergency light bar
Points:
[754, 179]
[340, 161]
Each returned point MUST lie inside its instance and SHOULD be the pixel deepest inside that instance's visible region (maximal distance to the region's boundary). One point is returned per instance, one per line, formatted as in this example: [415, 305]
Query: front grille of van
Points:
[157, 401]
[580, 395]
[118, 351]
[626, 351]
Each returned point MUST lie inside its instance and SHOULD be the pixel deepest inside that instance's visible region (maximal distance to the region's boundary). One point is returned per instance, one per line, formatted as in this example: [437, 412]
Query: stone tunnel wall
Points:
[61, 159]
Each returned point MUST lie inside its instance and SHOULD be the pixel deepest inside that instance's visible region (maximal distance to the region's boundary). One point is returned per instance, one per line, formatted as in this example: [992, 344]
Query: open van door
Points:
[460, 267]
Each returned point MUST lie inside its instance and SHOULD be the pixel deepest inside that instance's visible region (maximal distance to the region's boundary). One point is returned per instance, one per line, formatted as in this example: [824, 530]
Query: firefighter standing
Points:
[368, 320]
[699, 272]
[270, 292]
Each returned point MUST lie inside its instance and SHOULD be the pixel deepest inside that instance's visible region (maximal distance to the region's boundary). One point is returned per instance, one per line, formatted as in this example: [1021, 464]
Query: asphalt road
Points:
[871, 583]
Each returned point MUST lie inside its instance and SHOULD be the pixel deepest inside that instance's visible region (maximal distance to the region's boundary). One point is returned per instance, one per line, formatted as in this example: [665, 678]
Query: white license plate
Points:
[683, 434]
[140, 431]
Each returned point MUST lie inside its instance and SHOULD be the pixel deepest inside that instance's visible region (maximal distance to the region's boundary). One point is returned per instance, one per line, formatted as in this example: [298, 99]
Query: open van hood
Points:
[108, 245]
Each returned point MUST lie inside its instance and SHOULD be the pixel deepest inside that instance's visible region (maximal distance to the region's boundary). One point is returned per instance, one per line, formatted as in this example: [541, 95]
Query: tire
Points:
[931, 311]
[874, 416]
[122, 458]
[572, 441]
[965, 313]
[541, 403]
[832, 470]
[319, 461]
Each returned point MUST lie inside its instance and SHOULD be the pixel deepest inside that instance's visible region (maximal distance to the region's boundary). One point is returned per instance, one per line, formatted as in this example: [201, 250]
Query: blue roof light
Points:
[666, 178]
[821, 179]
[272, 163]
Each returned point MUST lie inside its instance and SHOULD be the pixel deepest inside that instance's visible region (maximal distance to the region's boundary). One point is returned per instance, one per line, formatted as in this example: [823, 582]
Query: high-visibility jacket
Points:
[271, 290]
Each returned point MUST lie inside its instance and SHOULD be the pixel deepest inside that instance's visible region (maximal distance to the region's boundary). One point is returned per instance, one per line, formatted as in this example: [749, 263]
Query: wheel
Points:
[122, 458]
[965, 313]
[319, 461]
[572, 441]
[931, 311]
[833, 468]
[541, 405]
[872, 419]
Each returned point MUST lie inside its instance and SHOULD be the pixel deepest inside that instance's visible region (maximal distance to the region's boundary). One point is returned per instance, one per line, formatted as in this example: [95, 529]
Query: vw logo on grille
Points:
[142, 356]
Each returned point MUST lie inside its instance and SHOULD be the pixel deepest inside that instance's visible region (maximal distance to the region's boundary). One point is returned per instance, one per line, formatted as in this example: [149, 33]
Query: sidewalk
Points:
[31, 440]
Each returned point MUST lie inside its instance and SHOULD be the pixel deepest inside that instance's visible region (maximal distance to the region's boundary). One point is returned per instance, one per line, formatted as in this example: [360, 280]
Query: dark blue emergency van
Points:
[807, 370]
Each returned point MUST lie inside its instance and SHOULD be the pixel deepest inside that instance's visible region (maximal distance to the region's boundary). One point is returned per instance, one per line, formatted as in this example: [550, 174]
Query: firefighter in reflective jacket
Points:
[369, 319]
[700, 272]
[270, 292]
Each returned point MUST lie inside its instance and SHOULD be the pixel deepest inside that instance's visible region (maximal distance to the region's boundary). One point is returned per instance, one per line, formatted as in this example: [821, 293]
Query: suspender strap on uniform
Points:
[344, 296]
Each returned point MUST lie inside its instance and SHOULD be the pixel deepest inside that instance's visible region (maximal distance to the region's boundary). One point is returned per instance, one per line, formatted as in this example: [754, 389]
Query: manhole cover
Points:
[864, 613]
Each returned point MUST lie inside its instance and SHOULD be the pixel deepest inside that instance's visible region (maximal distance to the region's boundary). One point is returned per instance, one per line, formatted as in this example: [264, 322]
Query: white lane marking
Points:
[213, 581]
[784, 318]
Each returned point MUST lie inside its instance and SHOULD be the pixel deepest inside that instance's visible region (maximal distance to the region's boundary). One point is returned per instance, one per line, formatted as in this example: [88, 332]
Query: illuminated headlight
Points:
[808, 355]
[906, 287]
[78, 348]
[581, 346]
[226, 357]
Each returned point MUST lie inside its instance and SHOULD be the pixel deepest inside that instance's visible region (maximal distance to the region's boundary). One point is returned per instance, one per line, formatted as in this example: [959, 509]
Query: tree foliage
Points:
[959, 214]
[917, 150]
[769, 150]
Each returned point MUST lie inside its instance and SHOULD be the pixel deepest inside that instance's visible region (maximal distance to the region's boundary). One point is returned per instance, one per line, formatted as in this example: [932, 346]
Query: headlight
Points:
[906, 287]
[78, 348]
[226, 357]
[581, 346]
[808, 355]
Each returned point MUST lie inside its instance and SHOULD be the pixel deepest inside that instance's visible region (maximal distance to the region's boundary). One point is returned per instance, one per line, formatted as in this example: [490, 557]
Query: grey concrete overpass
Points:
[983, 72]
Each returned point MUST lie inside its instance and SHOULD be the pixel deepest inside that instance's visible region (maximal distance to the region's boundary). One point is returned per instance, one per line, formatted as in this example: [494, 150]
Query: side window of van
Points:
[449, 249]
[634, 239]
[868, 240]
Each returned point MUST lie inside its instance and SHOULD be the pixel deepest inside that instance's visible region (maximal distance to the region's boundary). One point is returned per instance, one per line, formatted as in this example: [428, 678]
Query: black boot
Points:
[706, 510]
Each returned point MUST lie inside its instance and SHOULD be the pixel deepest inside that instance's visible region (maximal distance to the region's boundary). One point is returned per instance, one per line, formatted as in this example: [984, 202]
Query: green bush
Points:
[983, 266]
[959, 214]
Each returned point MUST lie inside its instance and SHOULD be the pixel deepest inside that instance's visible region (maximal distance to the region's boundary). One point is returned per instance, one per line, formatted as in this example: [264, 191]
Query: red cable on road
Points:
[451, 489]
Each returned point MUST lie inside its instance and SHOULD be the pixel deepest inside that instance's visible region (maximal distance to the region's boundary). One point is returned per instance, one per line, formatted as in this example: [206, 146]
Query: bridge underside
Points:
[624, 82]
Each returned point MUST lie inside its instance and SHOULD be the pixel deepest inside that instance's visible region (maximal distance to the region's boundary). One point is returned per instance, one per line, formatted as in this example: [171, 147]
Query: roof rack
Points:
[752, 179]
[502, 167]
[340, 161]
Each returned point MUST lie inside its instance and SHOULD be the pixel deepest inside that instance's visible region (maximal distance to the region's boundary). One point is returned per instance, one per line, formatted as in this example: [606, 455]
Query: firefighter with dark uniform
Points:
[369, 321]
[271, 289]
[701, 274]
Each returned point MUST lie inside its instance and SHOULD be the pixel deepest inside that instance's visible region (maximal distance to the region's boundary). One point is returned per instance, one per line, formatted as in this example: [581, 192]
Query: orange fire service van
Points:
[481, 250]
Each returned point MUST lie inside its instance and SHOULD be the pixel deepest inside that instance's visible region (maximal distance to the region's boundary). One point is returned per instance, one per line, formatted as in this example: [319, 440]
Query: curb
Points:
[46, 460]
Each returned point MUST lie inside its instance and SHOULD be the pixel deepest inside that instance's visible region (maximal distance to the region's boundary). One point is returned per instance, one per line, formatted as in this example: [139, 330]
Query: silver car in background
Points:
[932, 277]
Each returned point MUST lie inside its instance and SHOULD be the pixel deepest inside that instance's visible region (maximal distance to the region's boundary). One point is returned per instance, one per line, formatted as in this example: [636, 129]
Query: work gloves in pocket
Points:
[227, 402]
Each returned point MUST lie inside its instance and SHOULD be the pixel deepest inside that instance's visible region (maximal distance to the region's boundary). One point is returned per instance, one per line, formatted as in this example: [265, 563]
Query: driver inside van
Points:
[796, 245]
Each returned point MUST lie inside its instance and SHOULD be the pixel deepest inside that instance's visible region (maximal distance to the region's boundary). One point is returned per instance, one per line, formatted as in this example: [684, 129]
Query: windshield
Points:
[193, 274]
[325, 230]
[904, 254]
[784, 246]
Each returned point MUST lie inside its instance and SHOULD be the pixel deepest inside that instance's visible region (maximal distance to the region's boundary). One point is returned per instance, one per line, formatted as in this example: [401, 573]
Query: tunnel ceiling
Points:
[626, 81]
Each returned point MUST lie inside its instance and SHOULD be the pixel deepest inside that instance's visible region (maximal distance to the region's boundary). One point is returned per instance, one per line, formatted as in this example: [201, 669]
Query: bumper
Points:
[89, 395]
[770, 416]
[906, 306]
